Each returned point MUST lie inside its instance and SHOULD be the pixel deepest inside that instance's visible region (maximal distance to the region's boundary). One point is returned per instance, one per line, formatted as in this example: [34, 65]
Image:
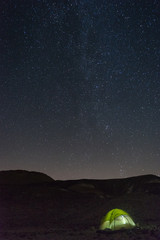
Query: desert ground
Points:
[34, 206]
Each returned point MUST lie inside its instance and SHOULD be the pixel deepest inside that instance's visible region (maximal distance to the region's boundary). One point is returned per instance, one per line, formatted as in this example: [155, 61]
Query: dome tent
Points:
[117, 219]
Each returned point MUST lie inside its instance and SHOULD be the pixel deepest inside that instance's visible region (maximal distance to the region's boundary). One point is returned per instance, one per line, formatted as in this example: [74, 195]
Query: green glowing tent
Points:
[117, 219]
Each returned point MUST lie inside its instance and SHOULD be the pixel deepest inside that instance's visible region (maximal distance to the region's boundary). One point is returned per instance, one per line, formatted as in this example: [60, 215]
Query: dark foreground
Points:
[72, 210]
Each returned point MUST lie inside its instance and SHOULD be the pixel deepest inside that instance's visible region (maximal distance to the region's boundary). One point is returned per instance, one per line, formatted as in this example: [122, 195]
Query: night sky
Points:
[80, 87]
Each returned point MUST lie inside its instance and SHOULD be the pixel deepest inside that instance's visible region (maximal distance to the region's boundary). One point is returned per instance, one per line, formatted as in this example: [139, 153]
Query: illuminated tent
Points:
[117, 219]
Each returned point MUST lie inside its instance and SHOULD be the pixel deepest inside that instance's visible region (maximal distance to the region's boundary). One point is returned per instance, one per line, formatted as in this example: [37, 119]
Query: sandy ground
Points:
[86, 234]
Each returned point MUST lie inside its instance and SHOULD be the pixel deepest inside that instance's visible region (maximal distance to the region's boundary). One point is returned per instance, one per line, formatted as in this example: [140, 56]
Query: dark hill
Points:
[145, 183]
[23, 177]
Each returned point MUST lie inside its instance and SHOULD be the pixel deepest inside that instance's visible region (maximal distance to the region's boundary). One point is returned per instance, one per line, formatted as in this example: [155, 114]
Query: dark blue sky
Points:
[80, 87]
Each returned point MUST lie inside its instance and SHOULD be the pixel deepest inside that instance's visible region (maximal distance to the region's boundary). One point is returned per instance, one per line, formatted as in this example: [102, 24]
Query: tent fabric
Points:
[117, 219]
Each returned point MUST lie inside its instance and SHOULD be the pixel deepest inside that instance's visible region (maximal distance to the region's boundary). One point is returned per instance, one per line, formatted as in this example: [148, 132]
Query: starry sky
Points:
[80, 87]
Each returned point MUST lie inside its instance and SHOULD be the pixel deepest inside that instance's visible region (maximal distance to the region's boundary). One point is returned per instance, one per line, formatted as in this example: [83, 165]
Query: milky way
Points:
[80, 87]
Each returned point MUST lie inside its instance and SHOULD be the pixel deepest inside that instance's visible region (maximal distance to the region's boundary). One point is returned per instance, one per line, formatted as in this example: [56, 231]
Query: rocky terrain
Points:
[34, 206]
